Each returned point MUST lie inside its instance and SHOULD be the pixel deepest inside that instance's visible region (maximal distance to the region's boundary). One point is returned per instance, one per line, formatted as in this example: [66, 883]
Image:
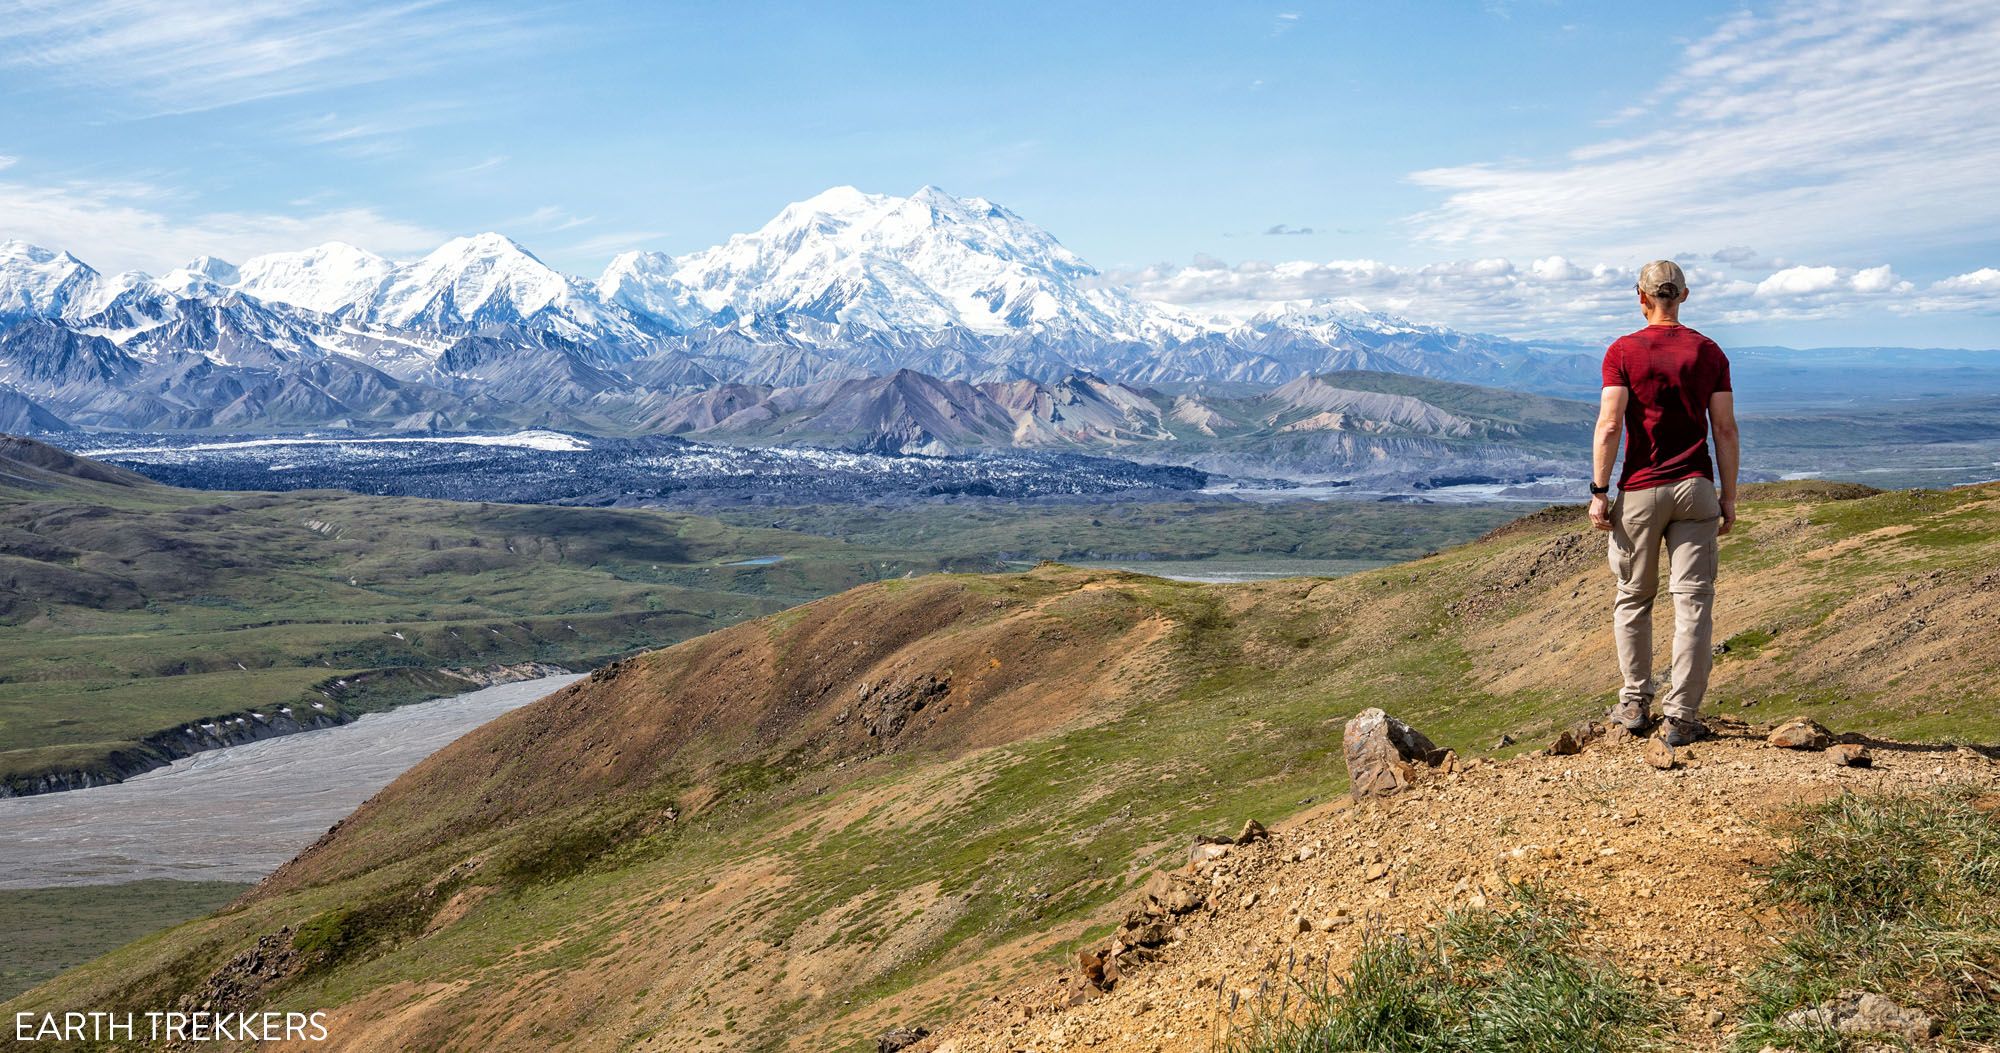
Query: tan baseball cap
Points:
[1663, 280]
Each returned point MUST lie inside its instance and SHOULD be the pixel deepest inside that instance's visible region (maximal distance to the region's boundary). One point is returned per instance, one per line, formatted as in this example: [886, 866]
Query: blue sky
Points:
[1500, 166]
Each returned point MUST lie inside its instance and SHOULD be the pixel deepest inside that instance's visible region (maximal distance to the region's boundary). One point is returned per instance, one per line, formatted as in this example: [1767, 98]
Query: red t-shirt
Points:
[1672, 371]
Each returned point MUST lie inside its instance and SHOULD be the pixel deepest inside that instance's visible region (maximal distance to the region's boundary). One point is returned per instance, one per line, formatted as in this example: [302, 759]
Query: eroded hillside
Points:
[891, 805]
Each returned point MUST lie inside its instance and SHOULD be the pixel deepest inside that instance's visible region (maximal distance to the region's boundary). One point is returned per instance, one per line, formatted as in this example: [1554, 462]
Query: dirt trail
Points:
[1667, 862]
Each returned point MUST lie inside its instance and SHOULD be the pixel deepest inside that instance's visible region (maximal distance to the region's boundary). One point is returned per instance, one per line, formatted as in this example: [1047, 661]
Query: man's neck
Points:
[1663, 318]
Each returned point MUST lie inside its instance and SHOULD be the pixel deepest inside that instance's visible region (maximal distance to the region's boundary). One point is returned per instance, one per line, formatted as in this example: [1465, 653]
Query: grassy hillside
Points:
[887, 805]
[128, 608]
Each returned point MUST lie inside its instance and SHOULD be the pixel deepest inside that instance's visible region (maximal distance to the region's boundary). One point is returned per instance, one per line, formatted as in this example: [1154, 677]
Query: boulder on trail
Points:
[1800, 733]
[1252, 831]
[1852, 755]
[1384, 754]
[899, 1038]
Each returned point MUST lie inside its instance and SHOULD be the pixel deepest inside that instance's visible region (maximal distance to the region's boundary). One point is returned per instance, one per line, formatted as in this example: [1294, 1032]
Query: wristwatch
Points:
[1599, 491]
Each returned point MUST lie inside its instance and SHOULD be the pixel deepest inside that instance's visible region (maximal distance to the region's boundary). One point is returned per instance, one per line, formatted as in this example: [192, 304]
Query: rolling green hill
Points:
[129, 610]
[891, 804]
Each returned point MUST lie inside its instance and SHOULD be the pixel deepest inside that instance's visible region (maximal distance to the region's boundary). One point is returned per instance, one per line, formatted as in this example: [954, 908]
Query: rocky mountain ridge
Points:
[841, 286]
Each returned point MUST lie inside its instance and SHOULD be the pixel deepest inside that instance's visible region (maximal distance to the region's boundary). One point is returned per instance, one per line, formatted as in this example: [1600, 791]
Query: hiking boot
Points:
[1632, 714]
[1676, 732]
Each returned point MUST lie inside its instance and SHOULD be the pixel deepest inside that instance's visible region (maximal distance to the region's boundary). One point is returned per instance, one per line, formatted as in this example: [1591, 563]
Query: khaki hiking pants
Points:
[1684, 516]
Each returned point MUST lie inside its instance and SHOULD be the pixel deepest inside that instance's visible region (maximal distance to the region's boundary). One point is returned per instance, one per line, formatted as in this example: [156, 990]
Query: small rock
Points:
[1503, 742]
[1252, 831]
[1303, 924]
[1855, 1013]
[1172, 893]
[1852, 755]
[1092, 964]
[1332, 922]
[1713, 1018]
[1565, 745]
[1799, 733]
[1206, 848]
[1375, 872]
[1659, 754]
[1617, 735]
[897, 1038]
[1249, 900]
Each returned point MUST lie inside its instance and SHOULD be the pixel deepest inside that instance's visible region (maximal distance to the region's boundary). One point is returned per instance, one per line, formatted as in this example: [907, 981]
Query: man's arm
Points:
[1604, 451]
[1728, 452]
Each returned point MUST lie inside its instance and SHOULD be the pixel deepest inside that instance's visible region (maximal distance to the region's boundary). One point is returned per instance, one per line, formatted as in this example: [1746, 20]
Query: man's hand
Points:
[1600, 512]
[1728, 516]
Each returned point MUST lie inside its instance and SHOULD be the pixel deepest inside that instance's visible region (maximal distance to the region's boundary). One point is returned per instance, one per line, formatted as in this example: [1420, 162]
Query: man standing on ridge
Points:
[1665, 387]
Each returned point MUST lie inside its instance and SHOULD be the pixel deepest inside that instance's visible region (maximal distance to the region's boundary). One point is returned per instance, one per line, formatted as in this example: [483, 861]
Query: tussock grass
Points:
[1893, 894]
[1481, 980]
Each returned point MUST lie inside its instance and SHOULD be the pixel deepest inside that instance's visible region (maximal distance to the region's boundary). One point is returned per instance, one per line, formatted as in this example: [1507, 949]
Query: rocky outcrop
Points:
[243, 980]
[887, 710]
[1384, 754]
[900, 1038]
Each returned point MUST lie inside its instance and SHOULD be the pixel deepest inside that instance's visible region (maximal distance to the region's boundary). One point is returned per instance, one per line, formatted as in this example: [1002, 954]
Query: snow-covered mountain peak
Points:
[490, 244]
[469, 276]
[200, 277]
[930, 261]
[38, 281]
[644, 282]
[326, 278]
[1327, 315]
[214, 269]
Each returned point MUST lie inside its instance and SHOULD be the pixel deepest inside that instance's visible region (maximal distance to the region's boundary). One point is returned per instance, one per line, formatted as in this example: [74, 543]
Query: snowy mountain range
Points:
[842, 286]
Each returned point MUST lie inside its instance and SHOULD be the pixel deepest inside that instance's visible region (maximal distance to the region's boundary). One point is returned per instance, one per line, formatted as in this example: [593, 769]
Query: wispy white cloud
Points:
[181, 56]
[1555, 296]
[1819, 127]
[378, 134]
[1285, 22]
[131, 225]
[549, 218]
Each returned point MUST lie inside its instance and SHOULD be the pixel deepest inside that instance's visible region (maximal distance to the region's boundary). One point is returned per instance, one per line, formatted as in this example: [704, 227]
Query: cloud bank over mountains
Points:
[1554, 296]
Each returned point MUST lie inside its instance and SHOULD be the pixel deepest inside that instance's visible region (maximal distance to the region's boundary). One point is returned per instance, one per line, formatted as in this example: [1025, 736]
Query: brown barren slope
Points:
[706, 847]
[1668, 865]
